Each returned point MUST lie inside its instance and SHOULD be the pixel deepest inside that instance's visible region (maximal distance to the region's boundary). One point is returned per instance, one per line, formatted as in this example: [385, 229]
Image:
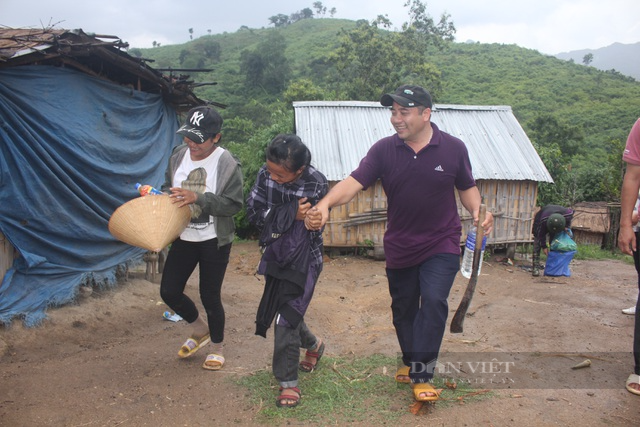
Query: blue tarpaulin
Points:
[558, 263]
[72, 148]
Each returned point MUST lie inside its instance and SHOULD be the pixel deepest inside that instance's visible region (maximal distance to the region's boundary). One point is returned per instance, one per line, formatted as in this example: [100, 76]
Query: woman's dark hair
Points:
[288, 151]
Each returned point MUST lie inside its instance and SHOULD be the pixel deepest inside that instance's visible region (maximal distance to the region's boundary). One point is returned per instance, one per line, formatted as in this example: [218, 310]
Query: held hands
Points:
[303, 208]
[315, 219]
[182, 196]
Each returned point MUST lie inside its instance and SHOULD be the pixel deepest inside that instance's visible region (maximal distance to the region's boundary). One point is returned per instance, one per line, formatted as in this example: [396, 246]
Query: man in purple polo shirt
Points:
[420, 168]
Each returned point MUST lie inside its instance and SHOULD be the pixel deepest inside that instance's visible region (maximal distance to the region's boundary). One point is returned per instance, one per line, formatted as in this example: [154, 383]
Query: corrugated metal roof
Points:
[340, 133]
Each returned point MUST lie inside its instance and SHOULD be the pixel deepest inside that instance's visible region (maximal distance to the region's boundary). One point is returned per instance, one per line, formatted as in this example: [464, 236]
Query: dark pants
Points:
[537, 247]
[181, 262]
[419, 307]
[286, 351]
[289, 340]
[636, 331]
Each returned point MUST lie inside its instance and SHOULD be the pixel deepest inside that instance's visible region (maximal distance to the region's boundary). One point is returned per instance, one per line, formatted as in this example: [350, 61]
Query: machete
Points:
[461, 312]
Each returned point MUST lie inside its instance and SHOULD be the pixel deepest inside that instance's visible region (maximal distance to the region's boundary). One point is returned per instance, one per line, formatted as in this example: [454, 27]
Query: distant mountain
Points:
[624, 58]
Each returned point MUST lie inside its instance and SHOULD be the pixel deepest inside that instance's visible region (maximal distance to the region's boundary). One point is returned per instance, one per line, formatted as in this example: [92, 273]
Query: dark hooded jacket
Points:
[285, 260]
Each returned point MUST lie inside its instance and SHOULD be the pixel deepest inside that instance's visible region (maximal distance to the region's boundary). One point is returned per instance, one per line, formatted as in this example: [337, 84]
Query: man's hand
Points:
[627, 240]
[487, 224]
[316, 219]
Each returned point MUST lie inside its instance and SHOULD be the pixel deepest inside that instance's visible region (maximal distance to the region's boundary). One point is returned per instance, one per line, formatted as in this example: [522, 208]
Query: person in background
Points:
[208, 179]
[628, 239]
[634, 220]
[420, 167]
[549, 220]
[286, 187]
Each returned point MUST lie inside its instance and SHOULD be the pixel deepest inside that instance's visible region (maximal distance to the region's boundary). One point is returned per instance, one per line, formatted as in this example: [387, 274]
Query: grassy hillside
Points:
[605, 103]
[595, 109]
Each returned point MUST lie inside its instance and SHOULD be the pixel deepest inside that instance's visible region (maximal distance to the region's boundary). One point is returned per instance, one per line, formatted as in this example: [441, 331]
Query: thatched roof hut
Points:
[591, 224]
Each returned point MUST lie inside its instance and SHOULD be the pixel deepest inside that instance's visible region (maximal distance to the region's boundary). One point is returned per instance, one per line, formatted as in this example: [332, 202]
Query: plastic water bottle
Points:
[147, 189]
[467, 259]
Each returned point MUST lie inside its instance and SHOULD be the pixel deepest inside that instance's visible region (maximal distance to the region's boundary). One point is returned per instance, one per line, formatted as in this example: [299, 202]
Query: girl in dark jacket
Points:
[287, 186]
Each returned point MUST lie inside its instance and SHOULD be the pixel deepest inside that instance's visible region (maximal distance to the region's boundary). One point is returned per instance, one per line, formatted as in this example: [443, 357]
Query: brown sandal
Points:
[288, 397]
[306, 366]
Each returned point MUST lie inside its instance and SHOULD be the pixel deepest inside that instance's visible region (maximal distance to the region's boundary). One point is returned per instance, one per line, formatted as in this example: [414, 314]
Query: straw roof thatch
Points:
[592, 217]
[102, 56]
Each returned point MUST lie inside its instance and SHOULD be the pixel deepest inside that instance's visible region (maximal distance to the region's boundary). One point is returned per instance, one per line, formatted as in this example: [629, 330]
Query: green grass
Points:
[593, 252]
[346, 390]
[585, 252]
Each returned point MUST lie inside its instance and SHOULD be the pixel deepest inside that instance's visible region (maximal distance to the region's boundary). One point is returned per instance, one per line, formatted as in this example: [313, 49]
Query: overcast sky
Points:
[549, 26]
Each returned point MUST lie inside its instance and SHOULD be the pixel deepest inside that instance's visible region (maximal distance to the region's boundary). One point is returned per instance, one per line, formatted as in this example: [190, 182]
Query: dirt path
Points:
[110, 359]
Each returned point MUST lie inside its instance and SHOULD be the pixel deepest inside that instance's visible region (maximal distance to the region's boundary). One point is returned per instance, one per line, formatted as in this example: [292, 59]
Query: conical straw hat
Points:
[149, 222]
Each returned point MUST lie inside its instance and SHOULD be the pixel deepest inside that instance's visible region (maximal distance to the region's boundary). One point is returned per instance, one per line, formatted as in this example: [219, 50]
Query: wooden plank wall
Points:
[364, 218]
[359, 221]
[512, 204]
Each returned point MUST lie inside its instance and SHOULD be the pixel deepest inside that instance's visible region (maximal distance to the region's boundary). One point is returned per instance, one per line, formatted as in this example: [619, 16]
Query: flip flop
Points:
[402, 375]
[191, 345]
[213, 362]
[308, 367]
[419, 388]
[633, 379]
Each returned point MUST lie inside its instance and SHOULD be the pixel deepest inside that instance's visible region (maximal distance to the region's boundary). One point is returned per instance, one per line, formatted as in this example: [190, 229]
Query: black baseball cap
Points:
[408, 96]
[202, 123]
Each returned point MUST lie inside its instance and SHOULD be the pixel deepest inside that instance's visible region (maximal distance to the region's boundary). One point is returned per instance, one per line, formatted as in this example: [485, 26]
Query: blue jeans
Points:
[420, 309]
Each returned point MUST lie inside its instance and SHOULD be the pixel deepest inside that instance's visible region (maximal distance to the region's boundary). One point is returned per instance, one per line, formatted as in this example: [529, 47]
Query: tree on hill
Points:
[368, 61]
[425, 27]
[305, 13]
[279, 20]
[266, 68]
[371, 61]
[320, 8]
[556, 144]
[305, 90]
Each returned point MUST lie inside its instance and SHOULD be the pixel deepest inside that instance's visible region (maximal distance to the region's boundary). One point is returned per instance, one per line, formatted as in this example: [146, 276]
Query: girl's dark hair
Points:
[288, 151]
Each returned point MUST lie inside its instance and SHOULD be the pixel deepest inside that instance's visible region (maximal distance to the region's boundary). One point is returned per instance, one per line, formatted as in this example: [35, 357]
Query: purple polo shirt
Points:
[422, 215]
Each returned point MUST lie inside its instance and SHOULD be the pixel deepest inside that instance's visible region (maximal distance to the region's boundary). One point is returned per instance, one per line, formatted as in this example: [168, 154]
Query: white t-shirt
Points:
[198, 176]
